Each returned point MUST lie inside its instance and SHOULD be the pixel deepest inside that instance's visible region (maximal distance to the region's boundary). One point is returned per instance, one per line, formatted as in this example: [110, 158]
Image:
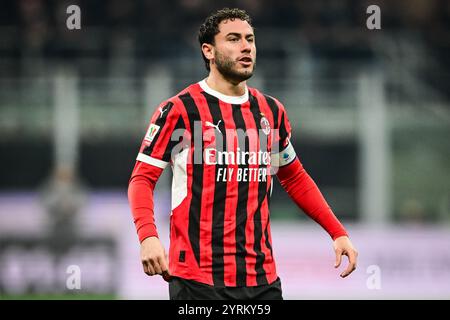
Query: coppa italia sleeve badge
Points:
[151, 132]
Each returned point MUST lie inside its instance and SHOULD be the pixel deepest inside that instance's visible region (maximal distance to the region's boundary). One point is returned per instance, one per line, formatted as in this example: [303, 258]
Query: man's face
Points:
[235, 50]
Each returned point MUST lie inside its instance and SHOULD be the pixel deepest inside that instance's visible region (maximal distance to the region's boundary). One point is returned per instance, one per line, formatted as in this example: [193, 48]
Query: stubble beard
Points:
[227, 68]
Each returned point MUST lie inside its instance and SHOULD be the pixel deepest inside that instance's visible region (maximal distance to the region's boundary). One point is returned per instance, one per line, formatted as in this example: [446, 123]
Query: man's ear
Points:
[208, 51]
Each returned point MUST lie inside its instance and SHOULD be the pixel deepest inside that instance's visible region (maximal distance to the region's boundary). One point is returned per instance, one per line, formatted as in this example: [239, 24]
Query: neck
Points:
[218, 83]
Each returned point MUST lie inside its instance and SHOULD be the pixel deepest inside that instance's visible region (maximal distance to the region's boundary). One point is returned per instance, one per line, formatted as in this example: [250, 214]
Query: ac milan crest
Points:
[265, 125]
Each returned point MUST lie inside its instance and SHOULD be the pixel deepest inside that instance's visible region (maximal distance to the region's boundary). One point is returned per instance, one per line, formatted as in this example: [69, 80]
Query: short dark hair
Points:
[210, 27]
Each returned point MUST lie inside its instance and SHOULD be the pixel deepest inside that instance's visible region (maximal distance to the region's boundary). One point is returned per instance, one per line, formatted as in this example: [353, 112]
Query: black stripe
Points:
[197, 181]
[269, 193]
[172, 143]
[274, 108]
[241, 210]
[283, 132]
[220, 193]
[266, 233]
[262, 193]
[160, 121]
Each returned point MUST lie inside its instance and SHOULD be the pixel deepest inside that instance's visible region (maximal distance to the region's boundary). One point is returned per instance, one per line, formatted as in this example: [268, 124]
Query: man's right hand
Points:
[154, 258]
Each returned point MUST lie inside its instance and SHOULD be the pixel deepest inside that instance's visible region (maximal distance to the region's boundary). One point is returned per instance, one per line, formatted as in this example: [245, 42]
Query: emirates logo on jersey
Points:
[214, 157]
[259, 158]
[240, 154]
[265, 125]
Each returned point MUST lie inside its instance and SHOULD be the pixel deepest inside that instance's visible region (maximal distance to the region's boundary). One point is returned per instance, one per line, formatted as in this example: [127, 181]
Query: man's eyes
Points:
[237, 39]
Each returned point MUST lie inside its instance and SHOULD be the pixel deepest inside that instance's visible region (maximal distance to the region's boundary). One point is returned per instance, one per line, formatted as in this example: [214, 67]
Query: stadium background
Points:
[370, 111]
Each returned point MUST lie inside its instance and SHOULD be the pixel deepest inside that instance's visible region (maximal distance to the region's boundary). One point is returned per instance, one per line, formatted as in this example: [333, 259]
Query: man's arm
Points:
[154, 155]
[305, 193]
[140, 196]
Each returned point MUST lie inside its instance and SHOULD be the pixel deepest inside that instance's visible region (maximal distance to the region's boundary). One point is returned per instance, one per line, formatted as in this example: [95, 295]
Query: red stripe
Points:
[165, 134]
[268, 262]
[252, 202]
[232, 197]
[209, 173]
[179, 237]
[281, 114]
[266, 110]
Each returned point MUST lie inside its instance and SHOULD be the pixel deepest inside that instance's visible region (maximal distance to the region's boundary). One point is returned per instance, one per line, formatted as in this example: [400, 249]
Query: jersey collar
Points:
[228, 99]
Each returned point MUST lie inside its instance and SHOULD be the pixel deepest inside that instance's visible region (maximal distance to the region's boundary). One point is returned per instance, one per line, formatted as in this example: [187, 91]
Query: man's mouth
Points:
[246, 61]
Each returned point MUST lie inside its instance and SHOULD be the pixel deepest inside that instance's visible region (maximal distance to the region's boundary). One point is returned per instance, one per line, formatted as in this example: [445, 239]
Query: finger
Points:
[151, 270]
[166, 276]
[144, 266]
[163, 263]
[165, 268]
[351, 266]
[338, 258]
[157, 267]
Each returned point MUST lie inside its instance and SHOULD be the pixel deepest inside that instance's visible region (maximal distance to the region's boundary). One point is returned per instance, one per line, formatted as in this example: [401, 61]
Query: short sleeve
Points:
[163, 134]
[283, 152]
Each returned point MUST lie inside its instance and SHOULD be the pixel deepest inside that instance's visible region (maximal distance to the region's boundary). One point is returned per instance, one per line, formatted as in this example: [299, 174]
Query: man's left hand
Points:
[343, 246]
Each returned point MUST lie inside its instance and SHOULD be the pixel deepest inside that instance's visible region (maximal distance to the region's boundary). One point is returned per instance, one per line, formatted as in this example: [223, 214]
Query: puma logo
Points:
[161, 111]
[209, 124]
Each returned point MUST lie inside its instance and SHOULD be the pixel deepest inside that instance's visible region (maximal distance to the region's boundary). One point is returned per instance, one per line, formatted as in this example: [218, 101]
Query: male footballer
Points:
[225, 142]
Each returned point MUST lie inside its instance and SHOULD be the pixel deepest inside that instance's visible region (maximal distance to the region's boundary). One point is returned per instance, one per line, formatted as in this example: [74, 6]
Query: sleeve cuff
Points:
[146, 231]
[339, 234]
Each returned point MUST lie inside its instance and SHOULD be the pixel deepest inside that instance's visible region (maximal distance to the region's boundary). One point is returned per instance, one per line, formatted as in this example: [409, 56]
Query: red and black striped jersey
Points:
[223, 151]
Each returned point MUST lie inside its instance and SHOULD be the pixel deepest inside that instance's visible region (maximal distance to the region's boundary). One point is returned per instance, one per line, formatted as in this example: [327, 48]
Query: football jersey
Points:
[223, 151]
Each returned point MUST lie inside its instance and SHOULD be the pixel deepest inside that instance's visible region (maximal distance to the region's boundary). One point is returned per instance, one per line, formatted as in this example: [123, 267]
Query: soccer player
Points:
[225, 142]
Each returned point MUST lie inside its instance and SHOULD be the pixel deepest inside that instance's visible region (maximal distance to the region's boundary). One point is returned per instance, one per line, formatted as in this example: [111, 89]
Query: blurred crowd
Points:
[150, 29]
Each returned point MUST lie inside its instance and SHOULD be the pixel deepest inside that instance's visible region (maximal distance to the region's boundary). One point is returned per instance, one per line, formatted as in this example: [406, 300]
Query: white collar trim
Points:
[228, 99]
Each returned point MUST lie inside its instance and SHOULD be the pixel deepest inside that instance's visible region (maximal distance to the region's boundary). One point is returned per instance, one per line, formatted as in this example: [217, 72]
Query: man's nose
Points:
[246, 46]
